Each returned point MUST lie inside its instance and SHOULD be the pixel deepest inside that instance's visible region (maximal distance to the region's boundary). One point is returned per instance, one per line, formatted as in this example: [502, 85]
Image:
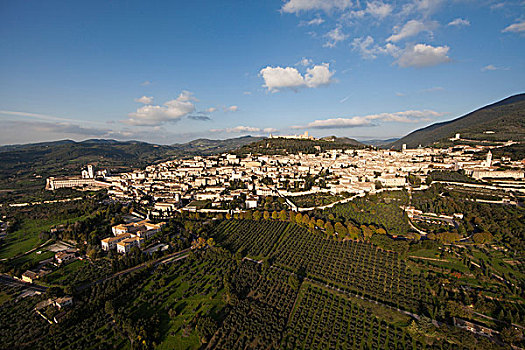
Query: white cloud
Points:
[53, 118]
[35, 115]
[411, 116]
[270, 130]
[243, 129]
[318, 75]
[304, 62]
[378, 9]
[145, 83]
[333, 123]
[411, 28]
[353, 14]
[211, 110]
[186, 96]
[422, 7]
[369, 50]
[170, 111]
[422, 55]
[365, 46]
[238, 129]
[277, 78]
[497, 6]
[313, 22]
[296, 6]
[145, 99]
[231, 109]
[518, 27]
[492, 67]
[460, 22]
[489, 67]
[334, 36]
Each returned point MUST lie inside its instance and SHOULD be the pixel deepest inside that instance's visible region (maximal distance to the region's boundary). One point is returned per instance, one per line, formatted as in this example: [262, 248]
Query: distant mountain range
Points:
[379, 142]
[19, 164]
[500, 121]
[207, 146]
[198, 145]
[50, 157]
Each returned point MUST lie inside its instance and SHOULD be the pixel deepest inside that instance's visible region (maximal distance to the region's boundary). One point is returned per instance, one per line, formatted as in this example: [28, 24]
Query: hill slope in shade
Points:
[505, 118]
[379, 142]
[207, 146]
[343, 140]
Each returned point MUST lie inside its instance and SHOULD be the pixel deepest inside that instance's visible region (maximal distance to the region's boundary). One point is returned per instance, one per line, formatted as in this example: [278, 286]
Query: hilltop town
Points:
[228, 182]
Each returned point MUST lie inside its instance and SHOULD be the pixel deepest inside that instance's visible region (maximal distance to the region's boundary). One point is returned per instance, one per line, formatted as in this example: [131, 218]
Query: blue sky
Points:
[172, 71]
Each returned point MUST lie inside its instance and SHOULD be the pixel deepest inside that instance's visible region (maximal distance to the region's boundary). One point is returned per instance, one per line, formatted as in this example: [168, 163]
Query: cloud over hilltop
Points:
[410, 116]
[244, 129]
[278, 78]
[170, 111]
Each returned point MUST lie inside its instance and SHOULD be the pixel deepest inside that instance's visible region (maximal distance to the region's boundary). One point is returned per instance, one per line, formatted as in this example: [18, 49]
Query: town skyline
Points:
[364, 70]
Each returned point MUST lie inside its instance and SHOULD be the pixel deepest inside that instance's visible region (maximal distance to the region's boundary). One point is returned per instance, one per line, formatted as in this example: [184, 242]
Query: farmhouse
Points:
[29, 276]
[65, 256]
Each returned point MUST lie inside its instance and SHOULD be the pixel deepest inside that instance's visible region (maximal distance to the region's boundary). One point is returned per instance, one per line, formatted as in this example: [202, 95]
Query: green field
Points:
[27, 236]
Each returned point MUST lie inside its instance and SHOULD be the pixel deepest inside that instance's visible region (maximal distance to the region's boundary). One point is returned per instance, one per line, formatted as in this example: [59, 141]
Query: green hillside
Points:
[207, 146]
[294, 146]
[505, 118]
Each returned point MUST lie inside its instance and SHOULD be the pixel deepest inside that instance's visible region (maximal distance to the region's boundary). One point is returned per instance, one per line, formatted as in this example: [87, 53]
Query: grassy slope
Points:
[27, 238]
[506, 118]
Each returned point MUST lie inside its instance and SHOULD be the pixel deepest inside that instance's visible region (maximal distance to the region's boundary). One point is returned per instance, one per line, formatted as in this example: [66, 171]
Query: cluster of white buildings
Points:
[88, 179]
[304, 136]
[127, 236]
[218, 181]
[433, 218]
[224, 178]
